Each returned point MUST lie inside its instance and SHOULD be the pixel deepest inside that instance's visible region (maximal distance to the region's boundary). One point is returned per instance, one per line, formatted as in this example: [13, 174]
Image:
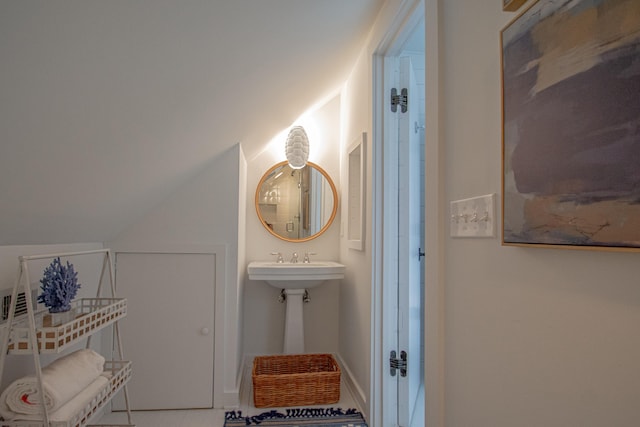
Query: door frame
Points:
[435, 211]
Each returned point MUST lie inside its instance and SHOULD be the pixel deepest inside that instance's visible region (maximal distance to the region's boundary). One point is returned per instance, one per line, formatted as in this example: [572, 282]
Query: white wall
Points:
[206, 211]
[533, 337]
[517, 336]
[356, 296]
[263, 315]
[88, 268]
[355, 290]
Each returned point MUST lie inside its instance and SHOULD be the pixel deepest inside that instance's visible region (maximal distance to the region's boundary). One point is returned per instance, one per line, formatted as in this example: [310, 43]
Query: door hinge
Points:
[402, 100]
[395, 363]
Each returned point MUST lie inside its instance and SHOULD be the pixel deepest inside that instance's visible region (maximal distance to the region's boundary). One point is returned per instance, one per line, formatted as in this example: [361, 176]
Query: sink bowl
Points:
[295, 275]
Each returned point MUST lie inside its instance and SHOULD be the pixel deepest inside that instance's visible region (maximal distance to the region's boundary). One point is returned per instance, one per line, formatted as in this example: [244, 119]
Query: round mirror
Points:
[296, 205]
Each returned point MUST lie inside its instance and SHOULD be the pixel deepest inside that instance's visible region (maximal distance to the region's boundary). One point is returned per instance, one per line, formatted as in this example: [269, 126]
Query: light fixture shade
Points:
[297, 147]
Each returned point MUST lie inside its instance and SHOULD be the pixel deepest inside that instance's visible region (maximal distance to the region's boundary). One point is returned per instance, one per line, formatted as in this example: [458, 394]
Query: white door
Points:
[168, 331]
[403, 299]
[410, 240]
[399, 280]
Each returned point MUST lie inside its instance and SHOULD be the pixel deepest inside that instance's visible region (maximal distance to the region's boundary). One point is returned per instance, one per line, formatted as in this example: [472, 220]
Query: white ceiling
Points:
[108, 106]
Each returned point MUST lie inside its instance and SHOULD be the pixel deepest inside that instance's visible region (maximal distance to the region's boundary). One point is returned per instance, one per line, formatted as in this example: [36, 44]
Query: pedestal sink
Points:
[294, 278]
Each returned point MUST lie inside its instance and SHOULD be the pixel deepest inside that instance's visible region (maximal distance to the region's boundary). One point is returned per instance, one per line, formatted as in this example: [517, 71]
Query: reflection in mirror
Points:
[296, 205]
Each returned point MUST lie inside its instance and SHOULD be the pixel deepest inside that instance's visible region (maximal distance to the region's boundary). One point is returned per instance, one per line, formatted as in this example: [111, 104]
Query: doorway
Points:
[401, 148]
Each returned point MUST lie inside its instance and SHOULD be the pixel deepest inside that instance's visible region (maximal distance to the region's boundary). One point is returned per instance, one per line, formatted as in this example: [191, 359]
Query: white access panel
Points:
[168, 331]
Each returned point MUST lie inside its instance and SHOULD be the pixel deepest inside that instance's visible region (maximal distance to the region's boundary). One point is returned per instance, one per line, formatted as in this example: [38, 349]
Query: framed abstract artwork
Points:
[571, 125]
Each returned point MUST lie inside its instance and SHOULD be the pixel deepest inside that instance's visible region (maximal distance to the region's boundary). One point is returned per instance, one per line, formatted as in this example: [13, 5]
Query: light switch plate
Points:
[474, 217]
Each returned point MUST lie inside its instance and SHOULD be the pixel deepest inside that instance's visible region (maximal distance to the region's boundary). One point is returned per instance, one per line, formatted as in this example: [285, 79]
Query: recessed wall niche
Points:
[356, 154]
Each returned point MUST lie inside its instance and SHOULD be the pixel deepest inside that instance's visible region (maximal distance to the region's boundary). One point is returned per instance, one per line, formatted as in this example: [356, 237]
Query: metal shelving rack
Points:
[29, 334]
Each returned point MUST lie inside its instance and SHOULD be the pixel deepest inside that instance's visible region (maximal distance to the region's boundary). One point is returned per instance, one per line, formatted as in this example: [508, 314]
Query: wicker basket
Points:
[295, 380]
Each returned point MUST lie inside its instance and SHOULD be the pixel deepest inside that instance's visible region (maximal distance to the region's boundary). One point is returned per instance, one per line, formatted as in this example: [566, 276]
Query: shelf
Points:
[91, 315]
[37, 332]
[120, 373]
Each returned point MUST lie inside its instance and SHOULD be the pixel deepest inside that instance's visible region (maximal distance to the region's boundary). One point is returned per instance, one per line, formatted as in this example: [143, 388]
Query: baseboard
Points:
[353, 386]
[231, 400]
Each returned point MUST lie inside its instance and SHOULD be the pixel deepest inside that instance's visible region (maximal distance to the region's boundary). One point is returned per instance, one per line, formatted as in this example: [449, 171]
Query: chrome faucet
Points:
[294, 258]
[306, 259]
[280, 260]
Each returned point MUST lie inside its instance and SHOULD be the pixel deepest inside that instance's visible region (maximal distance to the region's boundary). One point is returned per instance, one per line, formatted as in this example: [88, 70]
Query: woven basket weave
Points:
[295, 380]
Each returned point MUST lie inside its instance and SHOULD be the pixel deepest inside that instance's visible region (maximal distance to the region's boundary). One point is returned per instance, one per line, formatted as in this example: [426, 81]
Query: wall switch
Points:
[474, 217]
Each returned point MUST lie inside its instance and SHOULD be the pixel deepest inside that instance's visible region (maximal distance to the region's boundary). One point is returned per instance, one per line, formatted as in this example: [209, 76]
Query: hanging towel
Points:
[62, 380]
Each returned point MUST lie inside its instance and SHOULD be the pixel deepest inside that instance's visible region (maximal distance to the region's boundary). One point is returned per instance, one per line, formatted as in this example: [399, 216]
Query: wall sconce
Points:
[297, 147]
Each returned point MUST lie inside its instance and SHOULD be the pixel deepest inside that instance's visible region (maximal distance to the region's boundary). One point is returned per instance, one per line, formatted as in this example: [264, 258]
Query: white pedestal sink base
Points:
[294, 322]
[294, 278]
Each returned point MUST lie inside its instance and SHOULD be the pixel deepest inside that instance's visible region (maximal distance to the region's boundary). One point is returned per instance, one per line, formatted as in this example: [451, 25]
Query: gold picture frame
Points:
[512, 5]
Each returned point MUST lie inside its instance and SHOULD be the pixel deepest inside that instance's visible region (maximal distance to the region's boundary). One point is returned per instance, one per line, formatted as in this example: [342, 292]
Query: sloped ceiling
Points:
[108, 106]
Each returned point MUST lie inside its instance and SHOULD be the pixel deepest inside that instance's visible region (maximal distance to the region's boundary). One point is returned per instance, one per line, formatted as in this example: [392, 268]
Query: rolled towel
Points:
[71, 408]
[62, 380]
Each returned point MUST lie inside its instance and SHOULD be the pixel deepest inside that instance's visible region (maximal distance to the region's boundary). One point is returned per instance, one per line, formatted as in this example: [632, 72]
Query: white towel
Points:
[62, 380]
[70, 409]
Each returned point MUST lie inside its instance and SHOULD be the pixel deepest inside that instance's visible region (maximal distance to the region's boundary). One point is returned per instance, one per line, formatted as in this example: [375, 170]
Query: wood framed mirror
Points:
[296, 205]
